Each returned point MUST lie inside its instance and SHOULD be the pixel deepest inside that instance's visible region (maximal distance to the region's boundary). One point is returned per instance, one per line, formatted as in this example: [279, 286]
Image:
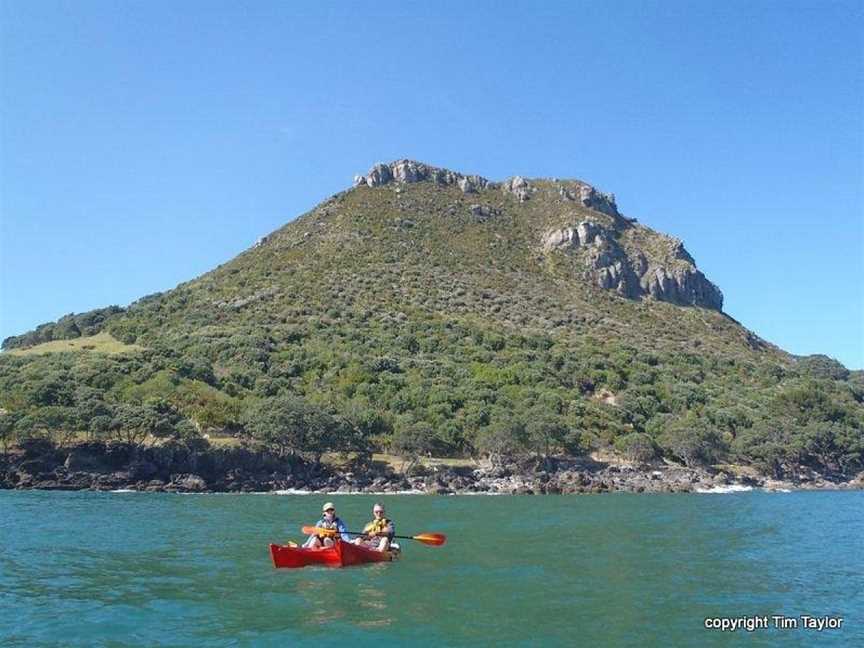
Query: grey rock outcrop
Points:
[483, 212]
[687, 286]
[378, 175]
[584, 233]
[632, 275]
[409, 171]
[189, 483]
[593, 199]
[519, 187]
[589, 197]
[581, 234]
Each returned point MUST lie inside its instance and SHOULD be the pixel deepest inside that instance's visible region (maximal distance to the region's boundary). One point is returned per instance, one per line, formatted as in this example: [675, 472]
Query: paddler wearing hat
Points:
[378, 534]
[328, 521]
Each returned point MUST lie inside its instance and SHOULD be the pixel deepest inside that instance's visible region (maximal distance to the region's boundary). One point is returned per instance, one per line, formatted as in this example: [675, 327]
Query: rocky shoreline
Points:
[179, 469]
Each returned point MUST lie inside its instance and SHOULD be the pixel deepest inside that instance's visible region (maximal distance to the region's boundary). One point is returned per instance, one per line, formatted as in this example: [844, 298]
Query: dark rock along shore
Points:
[177, 468]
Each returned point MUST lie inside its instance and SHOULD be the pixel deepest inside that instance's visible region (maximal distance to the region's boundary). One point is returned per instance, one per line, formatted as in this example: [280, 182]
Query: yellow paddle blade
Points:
[434, 539]
[311, 530]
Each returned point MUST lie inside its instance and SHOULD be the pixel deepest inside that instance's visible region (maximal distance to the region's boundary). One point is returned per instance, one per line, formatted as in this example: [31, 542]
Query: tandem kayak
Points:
[342, 554]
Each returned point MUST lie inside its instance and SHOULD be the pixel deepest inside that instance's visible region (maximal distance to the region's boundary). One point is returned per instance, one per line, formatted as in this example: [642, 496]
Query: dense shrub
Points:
[637, 447]
[288, 425]
[694, 441]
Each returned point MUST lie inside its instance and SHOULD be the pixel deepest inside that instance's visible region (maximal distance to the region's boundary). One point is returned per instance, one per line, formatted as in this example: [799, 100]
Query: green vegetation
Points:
[396, 321]
[102, 342]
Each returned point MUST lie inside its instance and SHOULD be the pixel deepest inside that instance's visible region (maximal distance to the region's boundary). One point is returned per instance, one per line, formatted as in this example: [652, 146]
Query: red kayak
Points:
[342, 554]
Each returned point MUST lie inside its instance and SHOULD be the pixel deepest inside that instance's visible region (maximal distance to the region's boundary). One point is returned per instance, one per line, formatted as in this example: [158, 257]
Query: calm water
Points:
[113, 569]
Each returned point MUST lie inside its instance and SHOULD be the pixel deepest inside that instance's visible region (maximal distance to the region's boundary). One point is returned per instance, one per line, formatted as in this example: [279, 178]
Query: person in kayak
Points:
[379, 532]
[328, 521]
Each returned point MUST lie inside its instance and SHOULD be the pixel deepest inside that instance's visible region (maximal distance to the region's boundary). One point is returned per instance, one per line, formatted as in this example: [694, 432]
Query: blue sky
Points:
[143, 143]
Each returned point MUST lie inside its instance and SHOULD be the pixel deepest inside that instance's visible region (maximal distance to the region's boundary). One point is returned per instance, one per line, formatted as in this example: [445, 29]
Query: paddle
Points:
[432, 539]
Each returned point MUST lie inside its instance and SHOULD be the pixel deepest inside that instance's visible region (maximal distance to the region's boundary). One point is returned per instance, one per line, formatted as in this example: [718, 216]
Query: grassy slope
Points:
[102, 342]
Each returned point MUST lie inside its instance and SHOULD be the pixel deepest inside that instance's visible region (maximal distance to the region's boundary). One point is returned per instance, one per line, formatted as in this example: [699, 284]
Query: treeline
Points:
[454, 388]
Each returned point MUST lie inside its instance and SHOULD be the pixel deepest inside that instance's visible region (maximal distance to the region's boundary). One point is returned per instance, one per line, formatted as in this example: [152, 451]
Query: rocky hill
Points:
[437, 310]
[617, 253]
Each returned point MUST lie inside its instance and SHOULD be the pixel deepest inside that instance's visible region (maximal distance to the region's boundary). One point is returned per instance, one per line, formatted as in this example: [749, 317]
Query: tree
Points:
[834, 446]
[502, 440]
[55, 388]
[546, 432]
[769, 445]
[694, 441]
[29, 427]
[410, 442]
[7, 428]
[361, 428]
[131, 423]
[637, 447]
[89, 405]
[289, 425]
[100, 426]
[134, 423]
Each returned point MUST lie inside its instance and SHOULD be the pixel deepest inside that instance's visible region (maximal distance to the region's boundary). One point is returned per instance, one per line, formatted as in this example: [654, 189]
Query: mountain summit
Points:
[615, 252]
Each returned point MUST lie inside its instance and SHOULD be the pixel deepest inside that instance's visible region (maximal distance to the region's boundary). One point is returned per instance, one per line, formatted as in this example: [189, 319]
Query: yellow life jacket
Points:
[376, 526]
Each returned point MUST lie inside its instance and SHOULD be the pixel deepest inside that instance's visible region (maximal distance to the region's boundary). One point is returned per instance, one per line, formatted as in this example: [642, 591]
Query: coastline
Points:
[99, 467]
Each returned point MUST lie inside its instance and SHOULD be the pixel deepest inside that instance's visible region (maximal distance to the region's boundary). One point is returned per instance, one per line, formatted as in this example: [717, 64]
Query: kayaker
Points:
[379, 532]
[329, 520]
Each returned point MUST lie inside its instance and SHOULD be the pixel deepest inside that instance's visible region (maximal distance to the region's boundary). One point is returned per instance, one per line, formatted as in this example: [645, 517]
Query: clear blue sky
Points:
[143, 143]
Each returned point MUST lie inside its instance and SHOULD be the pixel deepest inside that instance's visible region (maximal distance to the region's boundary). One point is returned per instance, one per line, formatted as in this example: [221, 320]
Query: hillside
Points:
[426, 310]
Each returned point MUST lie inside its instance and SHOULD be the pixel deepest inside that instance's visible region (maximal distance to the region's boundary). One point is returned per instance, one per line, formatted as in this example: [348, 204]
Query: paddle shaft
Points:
[425, 538]
[393, 536]
[361, 533]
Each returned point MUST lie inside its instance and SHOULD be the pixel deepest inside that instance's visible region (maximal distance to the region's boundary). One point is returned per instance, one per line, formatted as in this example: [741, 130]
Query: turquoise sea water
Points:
[134, 569]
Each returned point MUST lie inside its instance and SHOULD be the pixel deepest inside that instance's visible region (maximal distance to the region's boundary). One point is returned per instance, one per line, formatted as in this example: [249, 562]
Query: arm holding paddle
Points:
[342, 530]
[431, 539]
[369, 531]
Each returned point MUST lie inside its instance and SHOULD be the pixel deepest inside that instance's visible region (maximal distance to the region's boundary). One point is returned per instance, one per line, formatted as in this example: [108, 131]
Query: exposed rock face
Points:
[380, 174]
[589, 197]
[593, 199]
[80, 459]
[519, 187]
[408, 171]
[584, 233]
[190, 483]
[610, 266]
[682, 286]
[238, 470]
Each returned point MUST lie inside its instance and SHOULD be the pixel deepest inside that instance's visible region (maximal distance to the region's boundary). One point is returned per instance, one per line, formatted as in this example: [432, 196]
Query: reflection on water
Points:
[365, 603]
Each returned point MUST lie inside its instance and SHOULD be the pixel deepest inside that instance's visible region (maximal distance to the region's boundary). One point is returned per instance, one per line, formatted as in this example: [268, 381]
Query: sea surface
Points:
[135, 569]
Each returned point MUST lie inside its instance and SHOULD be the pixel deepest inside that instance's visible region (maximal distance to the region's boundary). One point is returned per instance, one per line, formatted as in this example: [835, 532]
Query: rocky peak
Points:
[644, 264]
[408, 171]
